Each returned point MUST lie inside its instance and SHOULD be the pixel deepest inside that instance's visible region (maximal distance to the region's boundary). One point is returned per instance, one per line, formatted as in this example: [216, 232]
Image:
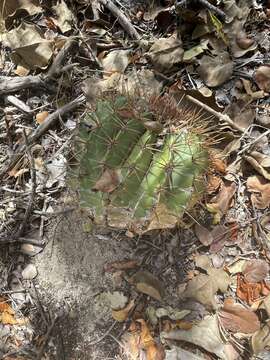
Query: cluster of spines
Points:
[153, 168]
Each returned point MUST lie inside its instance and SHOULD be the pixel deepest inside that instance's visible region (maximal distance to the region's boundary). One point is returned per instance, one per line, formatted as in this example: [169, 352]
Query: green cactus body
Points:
[132, 176]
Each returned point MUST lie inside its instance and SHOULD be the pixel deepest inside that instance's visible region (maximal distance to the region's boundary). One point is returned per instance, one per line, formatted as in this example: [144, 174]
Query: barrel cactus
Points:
[141, 162]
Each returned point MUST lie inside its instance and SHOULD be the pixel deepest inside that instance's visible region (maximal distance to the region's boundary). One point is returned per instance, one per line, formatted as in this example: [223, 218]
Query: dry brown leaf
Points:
[108, 181]
[204, 287]
[5, 307]
[41, 117]
[7, 319]
[205, 334]
[220, 234]
[214, 71]
[122, 314]
[261, 339]
[7, 314]
[240, 44]
[242, 114]
[255, 270]
[263, 160]
[260, 191]
[121, 265]
[166, 52]
[30, 48]
[213, 183]
[203, 262]
[250, 292]
[255, 159]
[203, 234]
[221, 203]
[236, 318]
[148, 284]
[64, 16]
[17, 172]
[11, 9]
[21, 71]
[116, 61]
[262, 77]
[147, 342]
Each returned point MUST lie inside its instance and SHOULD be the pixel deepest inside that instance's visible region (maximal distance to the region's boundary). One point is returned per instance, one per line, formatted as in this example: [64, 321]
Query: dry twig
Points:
[122, 19]
[41, 129]
[56, 68]
[33, 190]
[10, 84]
[220, 116]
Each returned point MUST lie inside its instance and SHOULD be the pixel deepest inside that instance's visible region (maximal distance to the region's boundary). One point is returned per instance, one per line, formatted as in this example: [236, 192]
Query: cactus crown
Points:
[142, 162]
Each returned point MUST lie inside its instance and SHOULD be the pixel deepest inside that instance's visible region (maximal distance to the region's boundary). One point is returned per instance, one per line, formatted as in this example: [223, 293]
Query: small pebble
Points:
[29, 272]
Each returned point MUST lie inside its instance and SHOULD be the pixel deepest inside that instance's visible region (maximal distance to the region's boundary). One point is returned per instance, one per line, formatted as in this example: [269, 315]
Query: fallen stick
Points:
[56, 67]
[32, 197]
[213, 8]
[41, 129]
[122, 19]
[222, 117]
[183, 4]
[10, 84]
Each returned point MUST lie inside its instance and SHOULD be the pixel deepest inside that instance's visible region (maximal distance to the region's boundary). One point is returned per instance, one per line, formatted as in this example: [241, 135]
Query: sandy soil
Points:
[72, 283]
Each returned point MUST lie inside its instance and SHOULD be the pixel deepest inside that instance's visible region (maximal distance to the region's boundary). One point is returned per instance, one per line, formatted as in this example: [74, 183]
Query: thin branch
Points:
[213, 8]
[122, 19]
[94, 342]
[30, 205]
[41, 129]
[222, 117]
[56, 67]
[46, 339]
[10, 84]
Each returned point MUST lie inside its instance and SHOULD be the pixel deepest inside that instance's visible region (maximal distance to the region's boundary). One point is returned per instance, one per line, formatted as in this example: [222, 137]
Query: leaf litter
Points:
[218, 50]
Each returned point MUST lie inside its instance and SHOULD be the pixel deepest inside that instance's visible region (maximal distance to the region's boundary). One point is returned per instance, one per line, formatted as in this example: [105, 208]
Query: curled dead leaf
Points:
[244, 42]
[214, 71]
[205, 334]
[242, 114]
[260, 191]
[121, 265]
[236, 318]
[217, 163]
[204, 287]
[122, 314]
[220, 234]
[166, 52]
[250, 292]
[255, 159]
[30, 48]
[213, 183]
[261, 339]
[203, 234]
[116, 61]
[147, 342]
[7, 315]
[222, 201]
[255, 270]
[21, 71]
[148, 284]
[262, 77]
